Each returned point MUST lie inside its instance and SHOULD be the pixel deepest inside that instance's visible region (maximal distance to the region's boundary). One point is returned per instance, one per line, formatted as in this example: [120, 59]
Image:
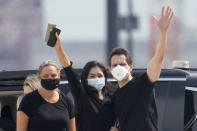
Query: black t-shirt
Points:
[44, 116]
[134, 105]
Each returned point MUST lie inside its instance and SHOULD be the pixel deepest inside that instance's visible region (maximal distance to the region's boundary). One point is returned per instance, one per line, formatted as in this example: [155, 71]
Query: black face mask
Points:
[50, 84]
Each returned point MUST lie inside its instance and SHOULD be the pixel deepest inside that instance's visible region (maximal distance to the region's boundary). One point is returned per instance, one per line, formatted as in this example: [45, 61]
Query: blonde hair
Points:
[32, 82]
[48, 63]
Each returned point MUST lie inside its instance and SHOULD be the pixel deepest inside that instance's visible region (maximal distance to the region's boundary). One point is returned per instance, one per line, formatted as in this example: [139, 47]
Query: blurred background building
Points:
[86, 30]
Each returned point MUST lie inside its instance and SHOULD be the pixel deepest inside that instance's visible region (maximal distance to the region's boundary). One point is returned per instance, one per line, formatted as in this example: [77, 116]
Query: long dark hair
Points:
[108, 90]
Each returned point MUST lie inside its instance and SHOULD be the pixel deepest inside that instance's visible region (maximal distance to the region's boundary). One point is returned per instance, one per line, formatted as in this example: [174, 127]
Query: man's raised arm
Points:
[155, 64]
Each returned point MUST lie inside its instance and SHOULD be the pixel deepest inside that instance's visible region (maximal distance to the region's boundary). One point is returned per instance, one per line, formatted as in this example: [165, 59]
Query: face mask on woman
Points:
[97, 83]
[119, 72]
[50, 84]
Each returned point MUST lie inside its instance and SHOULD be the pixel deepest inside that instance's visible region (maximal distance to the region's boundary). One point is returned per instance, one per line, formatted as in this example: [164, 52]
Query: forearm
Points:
[154, 67]
[160, 47]
[64, 60]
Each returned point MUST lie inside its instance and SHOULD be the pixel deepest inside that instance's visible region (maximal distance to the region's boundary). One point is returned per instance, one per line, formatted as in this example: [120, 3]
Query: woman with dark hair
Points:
[91, 93]
[107, 88]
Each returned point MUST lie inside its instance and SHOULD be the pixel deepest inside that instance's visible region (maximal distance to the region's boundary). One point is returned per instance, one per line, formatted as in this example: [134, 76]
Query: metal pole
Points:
[129, 32]
[112, 26]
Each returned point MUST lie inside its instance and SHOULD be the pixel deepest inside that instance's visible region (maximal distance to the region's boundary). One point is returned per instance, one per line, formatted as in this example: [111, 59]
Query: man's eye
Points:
[115, 65]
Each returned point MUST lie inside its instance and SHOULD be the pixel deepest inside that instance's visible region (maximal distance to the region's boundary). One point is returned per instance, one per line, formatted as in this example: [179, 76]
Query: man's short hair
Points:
[121, 51]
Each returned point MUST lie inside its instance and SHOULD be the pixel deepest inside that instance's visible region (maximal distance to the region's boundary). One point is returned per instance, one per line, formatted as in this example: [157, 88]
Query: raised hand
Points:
[64, 60]
[164, 21]
[58, 42]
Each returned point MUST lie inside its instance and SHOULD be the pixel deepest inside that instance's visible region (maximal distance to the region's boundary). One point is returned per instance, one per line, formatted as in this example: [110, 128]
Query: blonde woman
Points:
[31, 83]
[45, 109]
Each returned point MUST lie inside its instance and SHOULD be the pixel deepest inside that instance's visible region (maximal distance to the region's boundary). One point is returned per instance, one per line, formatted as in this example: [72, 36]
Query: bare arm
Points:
[22, 121]
[155, 64]
[64, 60]
[71, 125]
[113, 129]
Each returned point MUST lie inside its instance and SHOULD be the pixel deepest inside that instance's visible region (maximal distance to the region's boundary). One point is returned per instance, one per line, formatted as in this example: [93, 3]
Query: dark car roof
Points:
[11, 78]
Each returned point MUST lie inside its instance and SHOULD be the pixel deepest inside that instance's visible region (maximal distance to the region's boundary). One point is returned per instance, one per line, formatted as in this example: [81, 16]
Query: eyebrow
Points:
[96, 74]
[92, 74]
[45, 75]
[119, 63]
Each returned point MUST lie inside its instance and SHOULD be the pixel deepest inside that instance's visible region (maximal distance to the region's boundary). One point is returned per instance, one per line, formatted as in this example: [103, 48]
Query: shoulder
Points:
[68, 104]
[65, 99]
[140, 81]
[144, 78]
[28, 102]
[31, 96]
[143, 82]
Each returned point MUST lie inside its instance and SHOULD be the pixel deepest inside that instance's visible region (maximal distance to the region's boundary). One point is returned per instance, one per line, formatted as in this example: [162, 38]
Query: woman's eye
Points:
[100, 76]
[122, 64]
[45, 77]
[54, 76]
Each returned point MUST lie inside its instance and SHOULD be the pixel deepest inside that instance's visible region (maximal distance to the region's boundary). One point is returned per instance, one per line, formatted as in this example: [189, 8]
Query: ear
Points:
[130, 67]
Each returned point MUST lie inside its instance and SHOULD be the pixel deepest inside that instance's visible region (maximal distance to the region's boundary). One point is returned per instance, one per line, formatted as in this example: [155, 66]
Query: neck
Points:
[47, 93]
[100, 95]
[49, 96]
[125, 81]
